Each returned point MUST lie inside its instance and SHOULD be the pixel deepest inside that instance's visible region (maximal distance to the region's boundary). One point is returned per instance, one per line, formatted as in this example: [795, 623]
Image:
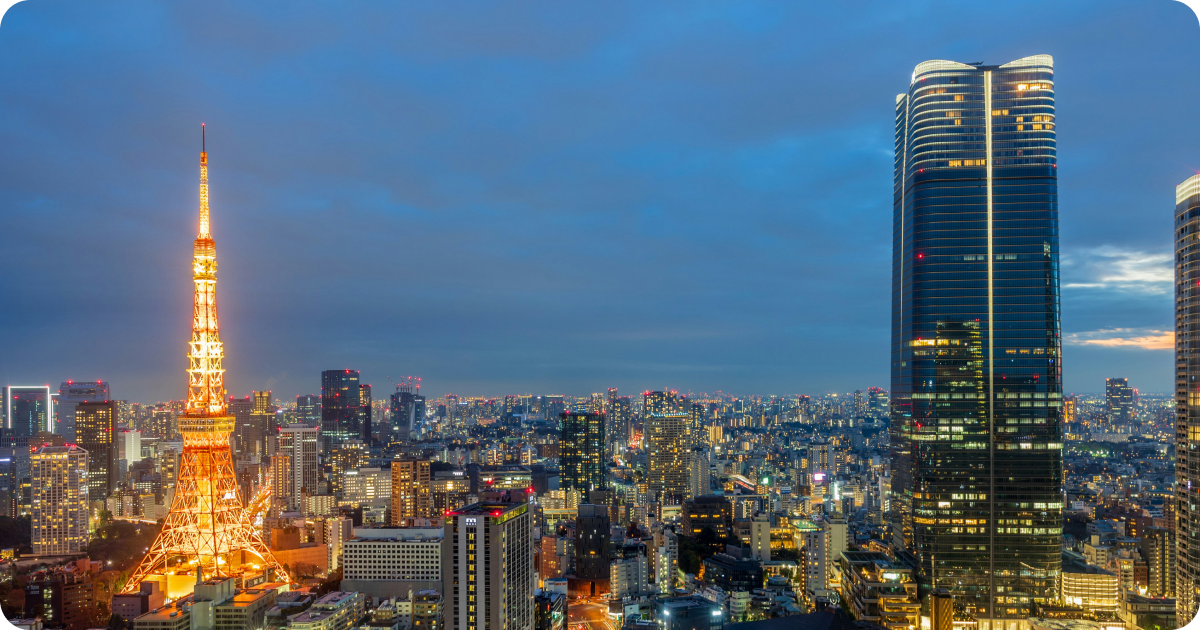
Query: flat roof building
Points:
[488, 567]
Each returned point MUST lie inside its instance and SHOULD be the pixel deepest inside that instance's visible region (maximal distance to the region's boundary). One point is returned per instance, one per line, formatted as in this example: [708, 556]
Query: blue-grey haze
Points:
[545, 197]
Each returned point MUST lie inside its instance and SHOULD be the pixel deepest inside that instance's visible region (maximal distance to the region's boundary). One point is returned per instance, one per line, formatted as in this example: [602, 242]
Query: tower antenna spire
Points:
[204, 232]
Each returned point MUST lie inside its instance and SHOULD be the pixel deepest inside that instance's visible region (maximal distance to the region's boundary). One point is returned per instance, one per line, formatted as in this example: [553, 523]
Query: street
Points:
[583, 614]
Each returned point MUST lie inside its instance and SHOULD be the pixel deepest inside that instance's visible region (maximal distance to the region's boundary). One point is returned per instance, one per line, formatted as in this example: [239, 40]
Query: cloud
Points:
[1144, 338]
[1113, 268]
[484, 197]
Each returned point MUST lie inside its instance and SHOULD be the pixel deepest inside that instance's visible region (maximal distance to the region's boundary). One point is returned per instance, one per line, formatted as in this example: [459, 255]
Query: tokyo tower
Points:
[207, 529]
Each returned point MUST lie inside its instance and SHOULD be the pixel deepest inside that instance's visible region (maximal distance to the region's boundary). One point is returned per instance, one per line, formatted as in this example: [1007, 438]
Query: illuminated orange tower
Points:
[208, 527]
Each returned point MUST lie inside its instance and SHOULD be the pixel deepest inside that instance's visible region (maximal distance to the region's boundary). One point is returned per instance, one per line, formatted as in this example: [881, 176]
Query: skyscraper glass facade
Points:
[1118, 400]
[976, 381]
[581, 451]
[341, 409]
[1187, 398]
[27, 410]
[96, 428]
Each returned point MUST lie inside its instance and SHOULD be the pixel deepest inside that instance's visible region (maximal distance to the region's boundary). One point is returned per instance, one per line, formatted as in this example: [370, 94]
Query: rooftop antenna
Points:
[202, 138]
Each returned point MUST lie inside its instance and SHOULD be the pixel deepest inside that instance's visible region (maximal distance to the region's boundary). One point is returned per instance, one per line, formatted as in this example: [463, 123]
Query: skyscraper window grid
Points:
[976, 382]
[1187, 398]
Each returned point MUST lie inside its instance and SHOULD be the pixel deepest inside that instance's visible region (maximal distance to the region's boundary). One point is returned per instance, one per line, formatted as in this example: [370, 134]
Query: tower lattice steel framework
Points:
[207, 528]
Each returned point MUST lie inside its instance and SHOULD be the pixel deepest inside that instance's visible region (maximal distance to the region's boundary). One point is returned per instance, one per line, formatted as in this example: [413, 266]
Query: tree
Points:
[11, 608]
[333, 582]
[1152, 622]
[302, 570]
[120, 544]
[90, 616]
[792, 555]
[16, 533]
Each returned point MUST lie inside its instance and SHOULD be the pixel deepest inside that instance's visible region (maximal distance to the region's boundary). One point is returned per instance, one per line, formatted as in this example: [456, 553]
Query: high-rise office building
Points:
[1118, 400]
[407, 411]
[877, 402]
[263, 423]
[341, 408]
[620, 423]
[28, 409]
[450, 489]
[697, 414]
[581, 451]
[308, 409]
[96, 431]
[664, 402]
[60, 499]
[1158, 550]
[453, 413]
[1187, 399]
[71, 393]
[976, 342]
[667, 442]
[820, 461]
[129, 446]
[347, 456]
[365, 410]
[294, 465]
[554, 405]
[592, 527]
[487, 567]
[699, 464]
[412, 490]
[240, 409]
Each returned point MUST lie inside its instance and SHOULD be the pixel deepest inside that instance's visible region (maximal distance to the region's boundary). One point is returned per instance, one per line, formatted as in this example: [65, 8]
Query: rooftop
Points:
[687, 601]
[166, 613]
[832, 618]
[334, 599]
[487, 508]
[405, 534]
[1072, 563]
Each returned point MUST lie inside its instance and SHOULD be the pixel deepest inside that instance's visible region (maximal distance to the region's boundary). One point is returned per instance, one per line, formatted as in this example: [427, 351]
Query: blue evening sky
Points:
[545, 197]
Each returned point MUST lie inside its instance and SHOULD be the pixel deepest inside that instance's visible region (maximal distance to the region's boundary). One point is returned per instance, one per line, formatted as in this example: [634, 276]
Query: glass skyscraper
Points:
[341, 409]
[581, 451]
[27, 410]
[976, 381]
[1187, 398]
[1118, 401]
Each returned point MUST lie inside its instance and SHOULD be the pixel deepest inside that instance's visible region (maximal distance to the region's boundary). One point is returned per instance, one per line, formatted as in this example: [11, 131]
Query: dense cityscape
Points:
[969, 493]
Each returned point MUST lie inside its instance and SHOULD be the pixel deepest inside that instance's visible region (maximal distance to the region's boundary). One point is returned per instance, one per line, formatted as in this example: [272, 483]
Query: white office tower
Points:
[629, 573]
[333, 533]
[666, 563]
[294, 465]
[699, 471]
[129, 445]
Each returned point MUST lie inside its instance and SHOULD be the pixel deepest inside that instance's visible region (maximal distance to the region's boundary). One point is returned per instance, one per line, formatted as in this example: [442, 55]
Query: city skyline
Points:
[653, 239]
[505, 279]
